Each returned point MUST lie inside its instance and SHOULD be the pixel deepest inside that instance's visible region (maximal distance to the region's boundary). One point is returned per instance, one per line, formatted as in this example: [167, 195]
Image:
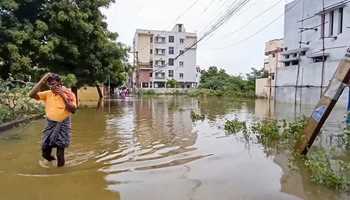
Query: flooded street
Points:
[149, 148]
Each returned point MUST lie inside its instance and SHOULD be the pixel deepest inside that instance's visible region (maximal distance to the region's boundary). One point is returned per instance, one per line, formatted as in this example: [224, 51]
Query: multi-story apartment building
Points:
[316, 36]
[265, 87]
[165, 55]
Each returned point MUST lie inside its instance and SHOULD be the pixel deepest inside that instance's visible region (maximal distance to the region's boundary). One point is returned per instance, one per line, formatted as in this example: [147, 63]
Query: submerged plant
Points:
[268, 130]
[329, 172]
[235, 126]
[196, 116]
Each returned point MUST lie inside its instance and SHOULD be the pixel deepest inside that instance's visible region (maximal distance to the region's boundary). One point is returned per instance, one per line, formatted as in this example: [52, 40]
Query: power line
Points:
[234, 8]
[253, 19]
[260, 30]
[207, 7]
[220, 22]
[221, 12]
[185, 11]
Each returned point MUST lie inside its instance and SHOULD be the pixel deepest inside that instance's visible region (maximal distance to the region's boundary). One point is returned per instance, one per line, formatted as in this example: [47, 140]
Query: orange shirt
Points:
[55, 108]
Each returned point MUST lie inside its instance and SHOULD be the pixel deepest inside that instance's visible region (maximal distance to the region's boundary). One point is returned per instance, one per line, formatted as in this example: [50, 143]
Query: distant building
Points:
[265, 87]
[315, 40]
[155, 52]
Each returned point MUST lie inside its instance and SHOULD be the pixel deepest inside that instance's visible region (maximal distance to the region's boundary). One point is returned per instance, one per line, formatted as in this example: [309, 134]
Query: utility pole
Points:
[326, 104]
[323, 21]
[298, 52]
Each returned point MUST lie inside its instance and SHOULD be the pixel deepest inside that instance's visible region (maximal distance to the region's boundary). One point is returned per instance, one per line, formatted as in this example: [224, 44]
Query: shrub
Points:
[15, 102]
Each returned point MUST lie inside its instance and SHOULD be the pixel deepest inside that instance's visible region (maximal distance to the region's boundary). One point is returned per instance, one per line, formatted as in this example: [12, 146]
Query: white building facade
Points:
[316, 37]
[165, 55]
[265, 87]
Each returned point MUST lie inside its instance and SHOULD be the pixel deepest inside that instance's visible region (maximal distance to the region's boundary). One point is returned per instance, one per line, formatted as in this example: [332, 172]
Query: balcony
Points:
[160, 76]
[159, 63]
[160, 52]
[160, 40]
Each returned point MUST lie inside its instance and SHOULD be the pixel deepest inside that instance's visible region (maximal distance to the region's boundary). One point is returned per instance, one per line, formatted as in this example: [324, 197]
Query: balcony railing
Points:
[160, 40]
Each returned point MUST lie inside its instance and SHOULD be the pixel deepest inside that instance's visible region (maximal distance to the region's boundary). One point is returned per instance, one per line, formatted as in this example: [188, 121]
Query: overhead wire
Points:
[233, 9]
[184, 12]
[254, 18]
[258, 31]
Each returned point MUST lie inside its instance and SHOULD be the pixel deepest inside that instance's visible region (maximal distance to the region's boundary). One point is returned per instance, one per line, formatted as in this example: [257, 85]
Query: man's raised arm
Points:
[34, 92]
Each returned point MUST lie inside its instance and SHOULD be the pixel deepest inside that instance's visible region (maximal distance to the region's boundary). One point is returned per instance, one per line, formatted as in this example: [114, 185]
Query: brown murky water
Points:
[149, 148]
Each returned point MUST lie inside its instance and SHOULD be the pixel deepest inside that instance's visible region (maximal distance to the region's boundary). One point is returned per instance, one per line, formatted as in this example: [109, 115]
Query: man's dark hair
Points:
[54, 77]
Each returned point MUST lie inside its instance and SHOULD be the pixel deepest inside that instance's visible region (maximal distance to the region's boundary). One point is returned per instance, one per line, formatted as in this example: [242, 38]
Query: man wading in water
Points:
[60, 103]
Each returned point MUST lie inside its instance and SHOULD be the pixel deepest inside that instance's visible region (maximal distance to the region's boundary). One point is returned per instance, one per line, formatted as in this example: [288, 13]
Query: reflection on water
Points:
[149, 148]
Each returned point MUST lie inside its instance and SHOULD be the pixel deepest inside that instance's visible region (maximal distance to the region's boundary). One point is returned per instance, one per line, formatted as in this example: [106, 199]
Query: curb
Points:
[15, 123]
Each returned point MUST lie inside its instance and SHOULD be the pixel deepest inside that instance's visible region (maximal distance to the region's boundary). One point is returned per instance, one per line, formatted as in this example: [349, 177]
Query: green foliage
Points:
[346, 138]
[65, 37]
[15, 102]
[268, 130]
[219, 83]
[329, 172]
[196, 116]
[171, 83]
[325, 168]
[235, 126]
[69, 80]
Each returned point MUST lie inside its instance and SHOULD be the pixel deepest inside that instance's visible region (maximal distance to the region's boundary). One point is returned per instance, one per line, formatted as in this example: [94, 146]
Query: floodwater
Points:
[149, 148]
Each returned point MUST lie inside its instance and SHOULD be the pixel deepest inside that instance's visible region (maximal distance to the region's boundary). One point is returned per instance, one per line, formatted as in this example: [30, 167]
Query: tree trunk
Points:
[99, 91]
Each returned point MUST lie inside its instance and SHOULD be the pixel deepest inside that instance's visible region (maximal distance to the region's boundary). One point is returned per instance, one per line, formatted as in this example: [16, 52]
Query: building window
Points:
[286, 64]
[160, 51]
[182, 52]
[181, 63]
[160, 39]
[303, 53]
[323, 20]
[295, 55]
[286, 56]
[295, 62]
[151, 51]
[171, 50]
[144, 84]
[340, 20]
[171, 73]
[180, 27]
[181, 75]
[331, 22]
[171, 39]
[150, 74]
[182, 41]
[273, 55]
[319, 59]
[160, 63]
[272, 76]
[151, 63]
[160, 75]
[171, 62]
[151, 39]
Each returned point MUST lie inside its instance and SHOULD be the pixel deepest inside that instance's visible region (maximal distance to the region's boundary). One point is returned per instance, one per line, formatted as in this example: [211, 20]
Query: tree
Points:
[172, 83]
[61, 36]
[222, 83]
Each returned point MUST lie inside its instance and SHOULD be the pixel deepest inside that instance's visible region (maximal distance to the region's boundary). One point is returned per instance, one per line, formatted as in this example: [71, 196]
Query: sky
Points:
[237, 46]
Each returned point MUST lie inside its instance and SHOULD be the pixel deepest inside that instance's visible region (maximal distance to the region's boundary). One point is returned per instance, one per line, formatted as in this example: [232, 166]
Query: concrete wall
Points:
[310, 72]
[262, 88]
[143, 45]
[88, 94]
